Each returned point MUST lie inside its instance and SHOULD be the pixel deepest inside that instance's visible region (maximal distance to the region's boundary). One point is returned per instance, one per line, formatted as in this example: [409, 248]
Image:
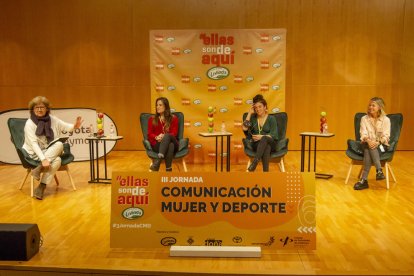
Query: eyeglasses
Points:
[39, 107]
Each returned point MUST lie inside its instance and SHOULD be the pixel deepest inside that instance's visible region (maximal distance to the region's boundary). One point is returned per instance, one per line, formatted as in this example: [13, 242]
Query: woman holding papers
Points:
[261, 130]
[162, 133]
[41, 140]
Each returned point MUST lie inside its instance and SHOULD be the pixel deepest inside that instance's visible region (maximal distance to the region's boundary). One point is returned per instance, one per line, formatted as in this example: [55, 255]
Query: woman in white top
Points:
[375, 136]
[41, 129]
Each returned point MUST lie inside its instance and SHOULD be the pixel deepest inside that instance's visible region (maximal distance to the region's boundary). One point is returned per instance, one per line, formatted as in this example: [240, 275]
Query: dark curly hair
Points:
[259, 99]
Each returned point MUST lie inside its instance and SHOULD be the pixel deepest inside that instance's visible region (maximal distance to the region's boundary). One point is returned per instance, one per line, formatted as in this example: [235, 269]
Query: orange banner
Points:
[274, 210]
[223, 69]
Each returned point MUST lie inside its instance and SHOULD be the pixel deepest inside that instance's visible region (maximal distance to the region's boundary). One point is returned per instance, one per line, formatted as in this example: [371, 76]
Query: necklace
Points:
[162, 121]
[260, 127]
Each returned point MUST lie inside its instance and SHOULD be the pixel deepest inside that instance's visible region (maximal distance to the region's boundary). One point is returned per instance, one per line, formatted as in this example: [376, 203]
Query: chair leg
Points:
[392, 173]
[387, 177]
[57, 180]
[184, 165]
[282, 165]
[70, 178]
[248, 164]
[25, 178]
[360, 172]
[31, 186]
[349, 173]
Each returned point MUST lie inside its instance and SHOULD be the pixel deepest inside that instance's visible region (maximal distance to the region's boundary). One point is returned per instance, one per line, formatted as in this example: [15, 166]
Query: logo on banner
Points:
[132, 213]
[218, 73]
[167, 241]
[213, 242]
[237, 239]
[286, 240]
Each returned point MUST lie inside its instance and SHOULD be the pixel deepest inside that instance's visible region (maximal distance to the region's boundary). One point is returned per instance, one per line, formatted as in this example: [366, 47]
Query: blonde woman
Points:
[375, 136]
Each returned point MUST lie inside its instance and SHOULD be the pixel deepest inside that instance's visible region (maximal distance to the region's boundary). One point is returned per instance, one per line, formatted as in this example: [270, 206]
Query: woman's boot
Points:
[155, 166]
[253, 165]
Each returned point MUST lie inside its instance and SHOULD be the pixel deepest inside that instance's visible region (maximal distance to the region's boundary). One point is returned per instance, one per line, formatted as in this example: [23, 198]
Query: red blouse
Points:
[154, 131]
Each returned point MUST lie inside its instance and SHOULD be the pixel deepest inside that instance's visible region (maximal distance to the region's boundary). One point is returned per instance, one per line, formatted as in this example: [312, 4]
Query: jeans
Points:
[167, 147]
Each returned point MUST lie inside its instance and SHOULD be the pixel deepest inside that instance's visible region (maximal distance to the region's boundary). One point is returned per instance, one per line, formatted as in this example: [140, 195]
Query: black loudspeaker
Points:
[19, 241]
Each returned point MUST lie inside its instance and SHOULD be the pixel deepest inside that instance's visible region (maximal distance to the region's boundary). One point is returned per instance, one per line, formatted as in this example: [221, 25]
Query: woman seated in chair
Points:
[162, 133]
[261, 130]
[41, 129]
[375, 135]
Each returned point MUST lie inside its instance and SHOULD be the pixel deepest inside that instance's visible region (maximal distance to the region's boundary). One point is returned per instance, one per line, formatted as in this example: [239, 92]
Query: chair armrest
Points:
[147, 145]
[282, 144]
[66, 149]
[183, 144]
[392, 146]
[247, 144]
[28, 159]
[355, 146]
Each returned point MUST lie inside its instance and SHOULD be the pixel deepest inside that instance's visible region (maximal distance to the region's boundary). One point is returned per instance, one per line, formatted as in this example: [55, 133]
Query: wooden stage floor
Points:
[358, 232]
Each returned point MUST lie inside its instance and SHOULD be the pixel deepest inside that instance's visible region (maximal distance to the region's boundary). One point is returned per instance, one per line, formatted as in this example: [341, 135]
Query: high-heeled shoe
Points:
[253, 165]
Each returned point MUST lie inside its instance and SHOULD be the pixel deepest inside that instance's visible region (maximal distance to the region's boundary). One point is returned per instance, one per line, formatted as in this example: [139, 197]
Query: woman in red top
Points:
[162, 134]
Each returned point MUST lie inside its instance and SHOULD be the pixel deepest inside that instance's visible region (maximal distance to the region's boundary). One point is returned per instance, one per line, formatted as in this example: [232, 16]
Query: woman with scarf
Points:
[40, 130]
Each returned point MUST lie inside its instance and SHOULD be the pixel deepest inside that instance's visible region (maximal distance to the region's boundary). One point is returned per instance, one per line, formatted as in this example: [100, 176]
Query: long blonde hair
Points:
[380, 102]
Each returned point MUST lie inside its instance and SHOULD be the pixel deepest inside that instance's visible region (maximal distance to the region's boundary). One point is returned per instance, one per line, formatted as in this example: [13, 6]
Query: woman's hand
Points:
[45, 163]
[372, 144]
[159, 137]
[257, 137]
[251, 110]
[78, 122]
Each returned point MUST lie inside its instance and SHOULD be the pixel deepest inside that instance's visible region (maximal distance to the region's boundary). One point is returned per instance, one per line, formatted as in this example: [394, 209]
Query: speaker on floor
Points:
[19, 241]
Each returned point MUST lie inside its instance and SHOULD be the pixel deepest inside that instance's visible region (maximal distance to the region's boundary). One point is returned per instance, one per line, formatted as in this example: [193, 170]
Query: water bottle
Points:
[112, 131]
[91, 130]
[325, 128]
[223, 126]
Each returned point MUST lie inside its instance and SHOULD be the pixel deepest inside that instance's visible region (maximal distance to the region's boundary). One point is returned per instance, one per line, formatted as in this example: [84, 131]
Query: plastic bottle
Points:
[325, 128]
[223, 126]
[112, 131]
[91, 130]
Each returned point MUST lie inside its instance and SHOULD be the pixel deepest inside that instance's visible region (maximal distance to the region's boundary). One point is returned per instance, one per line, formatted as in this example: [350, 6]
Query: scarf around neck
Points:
[43, 126]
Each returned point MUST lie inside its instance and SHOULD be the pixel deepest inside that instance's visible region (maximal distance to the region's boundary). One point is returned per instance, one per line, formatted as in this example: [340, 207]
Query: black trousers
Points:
[263, 148]
[168, 147]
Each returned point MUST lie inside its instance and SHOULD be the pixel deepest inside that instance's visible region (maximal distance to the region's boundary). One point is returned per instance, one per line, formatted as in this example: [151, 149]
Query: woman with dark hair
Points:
[261, 129]
[40, 130]
[162, 134]
[375, 131]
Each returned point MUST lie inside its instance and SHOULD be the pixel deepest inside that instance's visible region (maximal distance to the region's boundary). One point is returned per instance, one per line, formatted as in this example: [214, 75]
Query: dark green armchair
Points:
[183, 148]
[356, 155]
[281, 144]
[16, 128]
